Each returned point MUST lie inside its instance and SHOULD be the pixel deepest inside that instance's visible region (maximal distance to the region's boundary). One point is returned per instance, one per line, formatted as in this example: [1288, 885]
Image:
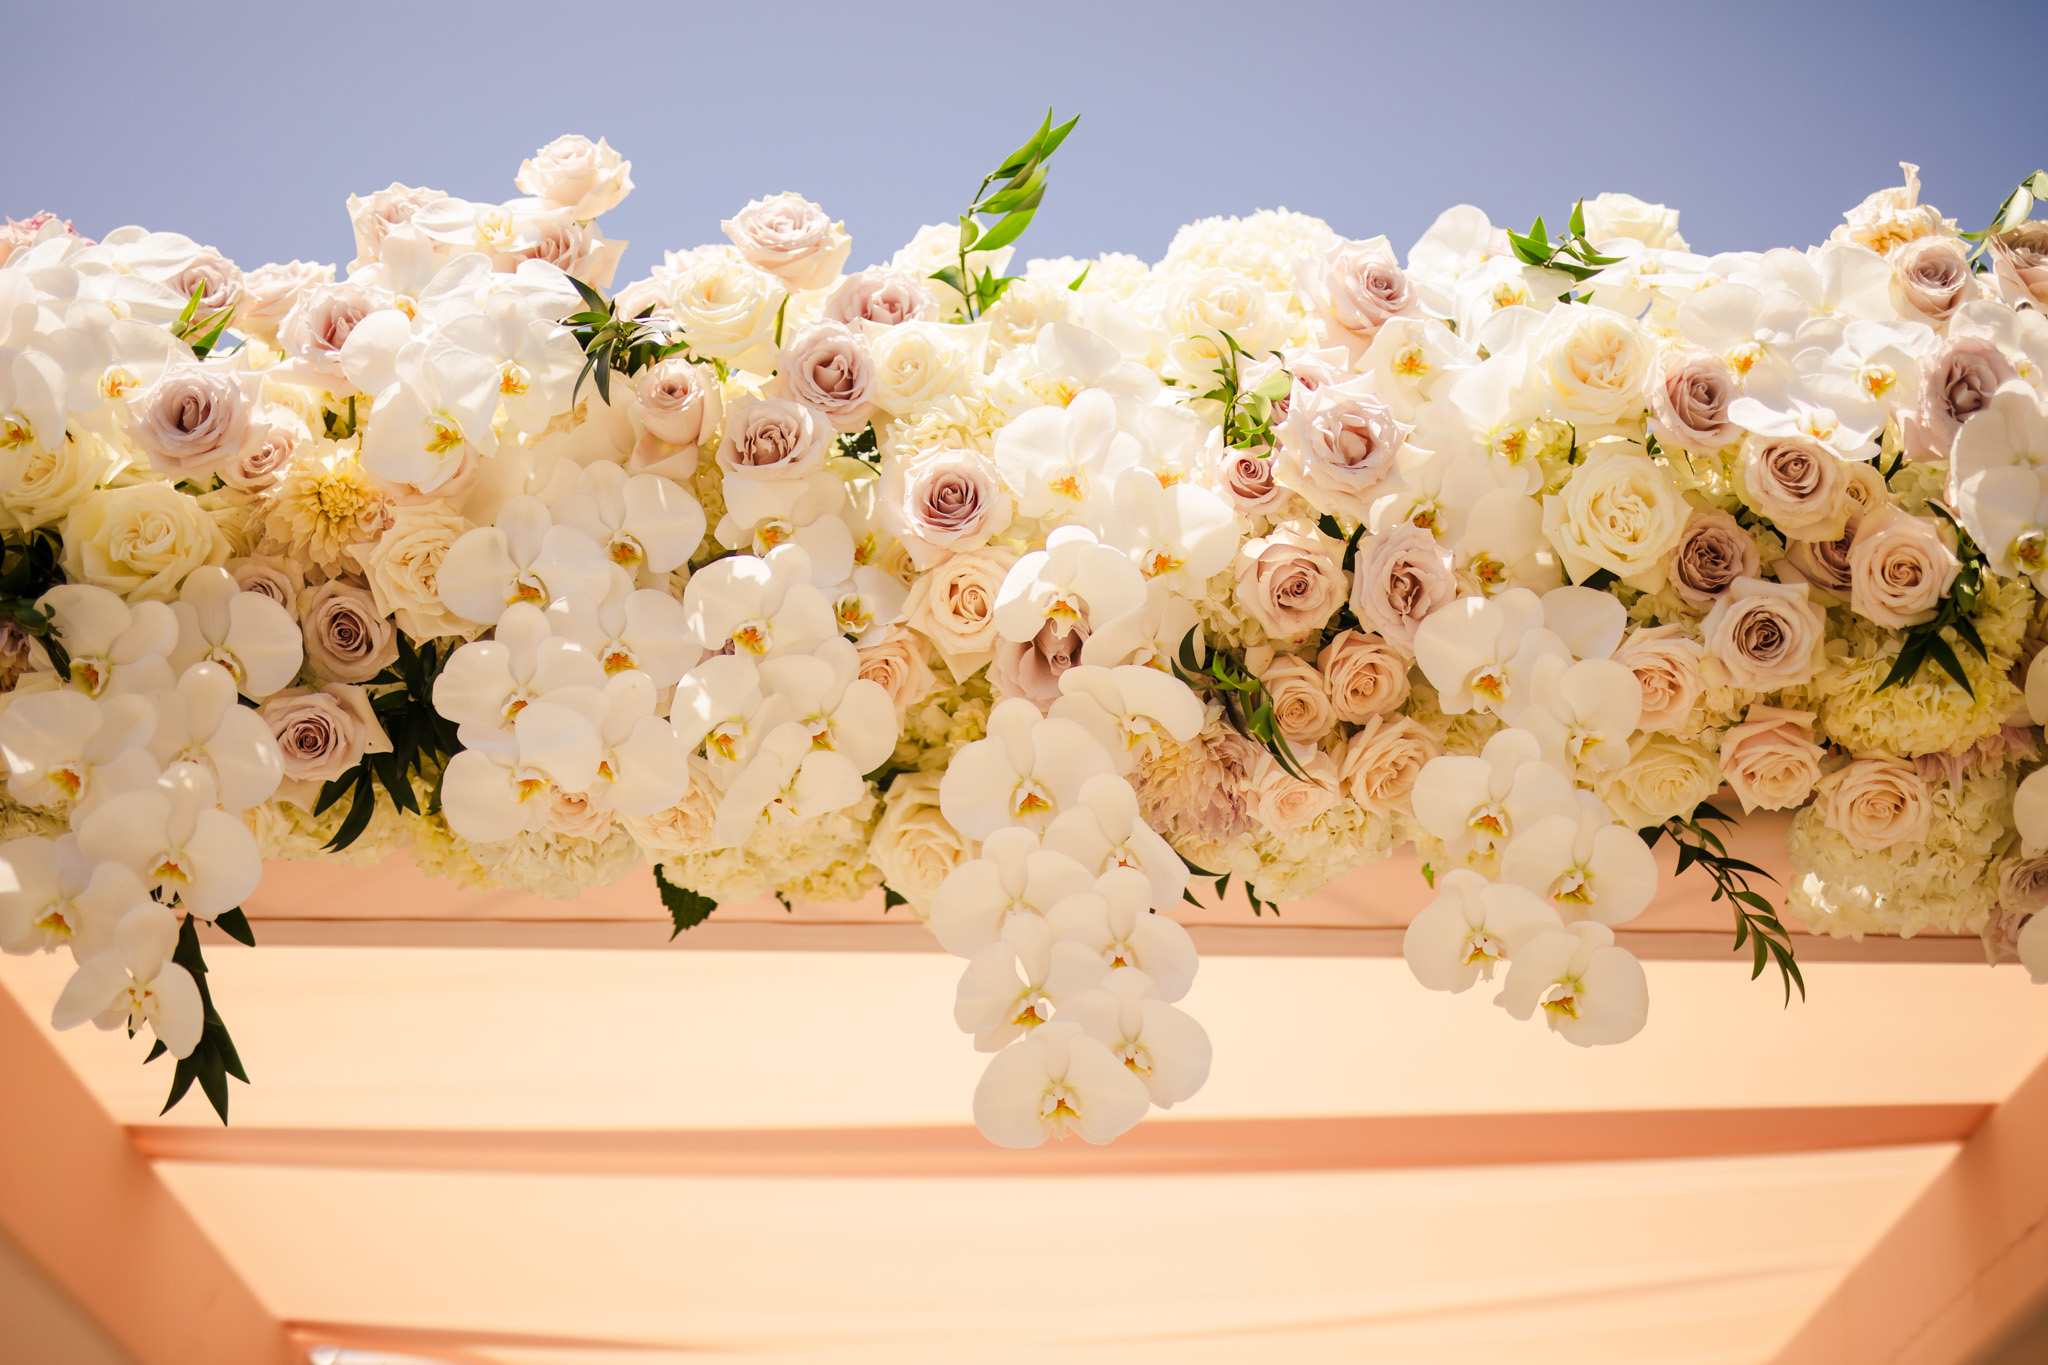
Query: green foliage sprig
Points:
[1016, 200]
[1248, 414]
[422, 740]
[611, 341]
[1246, 703]
[30, 565]
[2017, 208]
[215, 1058]
[1222, 884]
[1570, 254]
[686, 908]
[1924, 642]
[1756, 921]
[202, 332]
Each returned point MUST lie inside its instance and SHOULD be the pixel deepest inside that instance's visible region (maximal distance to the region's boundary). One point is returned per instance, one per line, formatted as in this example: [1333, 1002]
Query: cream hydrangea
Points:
[1944, 885]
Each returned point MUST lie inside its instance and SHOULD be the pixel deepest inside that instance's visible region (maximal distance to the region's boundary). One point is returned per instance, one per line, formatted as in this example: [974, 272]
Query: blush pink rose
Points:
[1770, 760]
[1876, 802]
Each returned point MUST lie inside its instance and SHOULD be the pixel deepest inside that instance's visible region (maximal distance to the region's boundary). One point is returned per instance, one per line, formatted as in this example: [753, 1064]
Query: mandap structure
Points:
[1031, 603]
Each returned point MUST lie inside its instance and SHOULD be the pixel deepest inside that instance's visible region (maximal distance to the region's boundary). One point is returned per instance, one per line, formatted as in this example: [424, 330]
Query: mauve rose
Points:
[346, 639]
[574, 248]
[896, 662]
[1765, 635]
[1353, 288]
[1301, 707]
[1713, 551]
[325, 733]
[1899, 568]
[1383, 760]
[195, 418]
[1690, 390]
[2023, 886]
[1032, 669]
[791, 238]
[1822, 564]
[1400, 577]
[583, 177]
[1930, 277]
[827, 366]
[18, 233]
[942, 502]
[1770, 760]
[2019, 259]
[1875, 802]
[677, 404]
[1365, 678]
[269, 293]
[274, 578]
[318, 325]
[216, 279]
[17, 654]
[1957, 378]
[1337, 447]
[274, 434]
[1797, 484]
[881, 296]
[1666, 663]
[1287, 584]
[1246, 481]
[774, 438]
[1282, 802]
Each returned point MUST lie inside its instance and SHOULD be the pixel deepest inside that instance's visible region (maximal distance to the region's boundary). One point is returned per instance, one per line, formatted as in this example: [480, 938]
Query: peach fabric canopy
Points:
[488, 1128]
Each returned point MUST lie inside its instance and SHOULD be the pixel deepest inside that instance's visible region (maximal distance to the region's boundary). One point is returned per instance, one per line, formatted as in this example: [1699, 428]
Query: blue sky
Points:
[247, 125]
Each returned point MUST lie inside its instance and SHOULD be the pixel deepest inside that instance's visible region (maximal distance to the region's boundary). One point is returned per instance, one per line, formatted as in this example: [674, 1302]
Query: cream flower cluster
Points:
[1257, 561]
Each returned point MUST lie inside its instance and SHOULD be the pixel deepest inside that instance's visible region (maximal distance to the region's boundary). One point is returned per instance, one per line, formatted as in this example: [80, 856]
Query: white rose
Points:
[1662, 778]
[791, 238]
[1620, 512]
[916, 363]
[1593, 365]
[727, 310]
[913, 843]
[1611, 215]
[140, 541]
[574, 174]
[403, 567]
[43, 483]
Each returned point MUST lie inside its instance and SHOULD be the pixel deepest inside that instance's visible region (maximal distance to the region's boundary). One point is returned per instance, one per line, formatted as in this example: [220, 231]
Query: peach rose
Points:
[576, 174]
[1287, 584]
[1383, 760]
[1875, 802]
[791, 238]
[897, 663]
[1667, 667]
[1301, 707]
[1899, 568]
[269, 293]
[1282, 802]
[677, 405]
[954, 606]
[882, 296]
[1364, 676]
[1770, 760]
[774, 438]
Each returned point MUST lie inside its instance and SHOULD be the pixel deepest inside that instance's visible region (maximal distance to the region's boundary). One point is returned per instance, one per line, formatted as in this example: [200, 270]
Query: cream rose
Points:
[269, 293]
[917, 363]
[1770, 759]
[195, 418]
[882, 296]
[1592, 364]
[140, 541]
[1400, 577]
[897, 664]
[1364, 676]
[791, 238]
[684, 828]
[44, 482]
[1608, 216]
[321, 736]
[1283, 803]
[1301, 706]
[774, 438]
[1690, 390]
[1667, 668]
[1766, 635]
[913, 843]
[1383, 760]
[1900, 567]
[374, 217]
[1713, 551]
[347, 638]
[727, 310]
[403, 567]
[1287, 584]
[1875, 802]
[1620, 512]
[827, 366]
[575, 174]
[1662, 778]
[954, 606]
[676, 407]
[1337, 447]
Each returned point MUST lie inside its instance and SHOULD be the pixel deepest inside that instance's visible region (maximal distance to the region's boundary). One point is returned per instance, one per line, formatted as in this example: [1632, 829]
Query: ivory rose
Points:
[403, 568]
[1383, 759]
[684, 828]
[1399, 577]
[1612, 215]
[44, 482]
[1900, 567]
[916, 363]
[1365, 677]
[1592, 365]
[1287, 584]
[140, 541]
[1875, 802]
[1663, 777]
[1666, 663]
[1619, 512]
[1770, 760]
[954, 606]
[791, 238]
[1713, 551]
[575, 174]
[914, 844]
[1766, 635]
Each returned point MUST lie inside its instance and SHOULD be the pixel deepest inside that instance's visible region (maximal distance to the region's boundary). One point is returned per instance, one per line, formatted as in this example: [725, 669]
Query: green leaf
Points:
[1938, 650]
[1024, 192]
[235, 925]
[891, 898]
[1075, 286]
[1007, 230]
[686, 909]
[970, 232]
[1576, 225]
[952, 277]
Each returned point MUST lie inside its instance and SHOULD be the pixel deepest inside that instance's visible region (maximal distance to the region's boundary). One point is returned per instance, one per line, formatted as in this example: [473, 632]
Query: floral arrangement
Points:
[1026, 598]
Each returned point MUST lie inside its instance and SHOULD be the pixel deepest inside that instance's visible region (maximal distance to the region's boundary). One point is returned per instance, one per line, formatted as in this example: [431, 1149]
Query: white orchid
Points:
[1116, 922]
[502, 784]
[174, 836]
[524, 557]
[720, 705]
[1102, 830]
[642, 767]
[844, 713]
[535, 358]
[762, 606]
[761, 514]
[1503, 546]
[1058, 1081]
[1473, 924]
[1150, 635]
[868, 604]
[1591, 992]
[486, 683]
[1583, 713]
[1162, 1046]
[629, 628]
[1181, 534]
[788, 778]
[1013, 876]
[1075, 581]
[65, 749]
[52, 896]
[644, 523]
[1026, 770]
[1475, 805]
[1587, 865]
[1590, 622]
[251, 636]
[115, 646]
[434, 417]
[133, 982]
[1018, 982]
[1054, 459]
[31, 402]
[201, 723]
[1127, 708]
[1466, 647]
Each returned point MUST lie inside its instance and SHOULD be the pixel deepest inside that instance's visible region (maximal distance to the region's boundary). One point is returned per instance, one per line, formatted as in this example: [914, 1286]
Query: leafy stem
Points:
[1246, 703]
[1925, 641]
[1022, 189]
[1248, 414]
[1756, 921]
[626, 344]
[214, 1059]
[29, 567]
[2017, 208]
[422, 739]
[1570, 254]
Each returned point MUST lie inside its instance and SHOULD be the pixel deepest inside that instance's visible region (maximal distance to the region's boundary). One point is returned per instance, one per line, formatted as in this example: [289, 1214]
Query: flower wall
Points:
[1028, 599]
